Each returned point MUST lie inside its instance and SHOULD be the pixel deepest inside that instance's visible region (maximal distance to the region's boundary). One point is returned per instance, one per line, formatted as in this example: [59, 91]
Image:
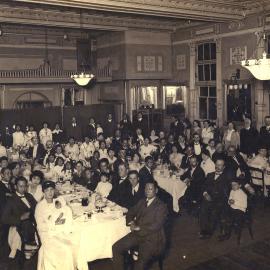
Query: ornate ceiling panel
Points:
[207, 10]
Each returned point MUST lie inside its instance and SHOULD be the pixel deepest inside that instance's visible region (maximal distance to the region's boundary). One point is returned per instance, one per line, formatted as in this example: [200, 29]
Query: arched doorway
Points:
[32, 99]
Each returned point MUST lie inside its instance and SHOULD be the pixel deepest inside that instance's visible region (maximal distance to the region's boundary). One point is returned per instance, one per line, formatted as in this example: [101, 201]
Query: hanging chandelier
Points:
[259, 68]
[82, 78]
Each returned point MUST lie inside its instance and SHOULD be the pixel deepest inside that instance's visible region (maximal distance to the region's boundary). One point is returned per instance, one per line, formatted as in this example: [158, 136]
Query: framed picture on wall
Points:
[237, 54]
[149, 63]
[181, 62]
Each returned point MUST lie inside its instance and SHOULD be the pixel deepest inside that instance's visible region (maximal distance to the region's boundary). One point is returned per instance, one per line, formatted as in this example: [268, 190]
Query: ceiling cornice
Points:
[70, 18]
[197, 10]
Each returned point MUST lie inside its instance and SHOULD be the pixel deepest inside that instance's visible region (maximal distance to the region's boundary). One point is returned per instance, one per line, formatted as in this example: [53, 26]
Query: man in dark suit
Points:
[117, 141]
[194, 178]
[146, 220]
[5, 193]
[189, 152]
[109, 126]
[120, 186]
[36, 151]
[198, 146]
[162, 152]
[141, 123]
[74, 130]
[145, 173]
[177, 127]
[121, 159]
[248, 139]
[236, 167]
[265, 133]
[19, 212]
[215, 197]
[135, 190]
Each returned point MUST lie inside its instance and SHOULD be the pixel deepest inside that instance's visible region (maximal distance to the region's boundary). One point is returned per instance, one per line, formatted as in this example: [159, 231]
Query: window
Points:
[207, 51]
[207, 102]
[32, 100]
[143, 96]
[174, 99]
[206, 60]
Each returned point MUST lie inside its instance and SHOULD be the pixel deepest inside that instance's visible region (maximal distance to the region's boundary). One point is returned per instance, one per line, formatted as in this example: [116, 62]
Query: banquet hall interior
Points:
[103, 102]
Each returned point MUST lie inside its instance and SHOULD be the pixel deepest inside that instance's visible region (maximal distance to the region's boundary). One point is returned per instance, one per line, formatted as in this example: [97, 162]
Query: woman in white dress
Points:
[135, 164]
[207, 132]
[176, 157]
[147, 149]
[58, 170]
[54, 220]
[34, 186]
[45, 134]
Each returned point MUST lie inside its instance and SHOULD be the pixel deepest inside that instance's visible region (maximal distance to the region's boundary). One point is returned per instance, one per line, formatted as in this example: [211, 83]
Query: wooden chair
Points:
[257, 179]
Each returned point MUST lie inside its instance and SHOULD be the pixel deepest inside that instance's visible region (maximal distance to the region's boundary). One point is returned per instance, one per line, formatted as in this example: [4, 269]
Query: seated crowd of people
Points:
[117, 161]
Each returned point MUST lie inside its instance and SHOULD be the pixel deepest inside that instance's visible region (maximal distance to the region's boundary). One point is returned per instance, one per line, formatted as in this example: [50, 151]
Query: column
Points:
[193, 96]
[260, 107]
[219, 85]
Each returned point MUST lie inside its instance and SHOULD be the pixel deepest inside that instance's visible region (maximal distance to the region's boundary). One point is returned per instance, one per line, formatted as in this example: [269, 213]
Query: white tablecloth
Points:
[173, 186]
[95, 235]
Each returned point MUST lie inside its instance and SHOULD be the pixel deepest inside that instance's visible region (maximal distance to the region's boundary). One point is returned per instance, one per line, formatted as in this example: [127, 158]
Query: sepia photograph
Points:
[134, 134]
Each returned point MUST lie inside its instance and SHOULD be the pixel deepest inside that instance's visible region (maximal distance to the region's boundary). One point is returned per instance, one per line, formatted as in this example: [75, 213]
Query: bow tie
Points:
[196, 143]
[217, 174]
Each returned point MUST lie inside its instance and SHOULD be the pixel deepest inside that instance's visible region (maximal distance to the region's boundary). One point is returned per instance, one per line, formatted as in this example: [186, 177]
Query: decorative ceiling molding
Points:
[207, 10]
[70, 18]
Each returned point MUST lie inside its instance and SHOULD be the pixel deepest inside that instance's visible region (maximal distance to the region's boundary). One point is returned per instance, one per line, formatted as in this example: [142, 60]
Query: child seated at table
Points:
[104, 187]
[237, 208]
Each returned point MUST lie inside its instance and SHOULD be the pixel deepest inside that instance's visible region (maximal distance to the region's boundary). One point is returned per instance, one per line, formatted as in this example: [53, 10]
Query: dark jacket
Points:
[5, 193]
[133, 199]
[40, 152]
[109, 128]
[151, 221]
[197, 180]
[218, 188]
[118, 193]
[12, 213]
[145, 176]
[15, 208]
[265, 137]
[248, 140]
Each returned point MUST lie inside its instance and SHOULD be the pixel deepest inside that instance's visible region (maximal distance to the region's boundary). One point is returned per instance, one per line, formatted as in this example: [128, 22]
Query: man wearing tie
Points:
[194, 178]
[145, 172]
[215, 196]
[146, 220]
[135, 191]
[120, 185]
[36, 151]
[265, 133]
[5, 193]
[74, 130]
[237, 167]
[19, 212]
[198, 146]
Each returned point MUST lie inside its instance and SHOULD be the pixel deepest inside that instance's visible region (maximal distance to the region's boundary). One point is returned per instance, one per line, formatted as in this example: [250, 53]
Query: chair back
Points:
[257, 176]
